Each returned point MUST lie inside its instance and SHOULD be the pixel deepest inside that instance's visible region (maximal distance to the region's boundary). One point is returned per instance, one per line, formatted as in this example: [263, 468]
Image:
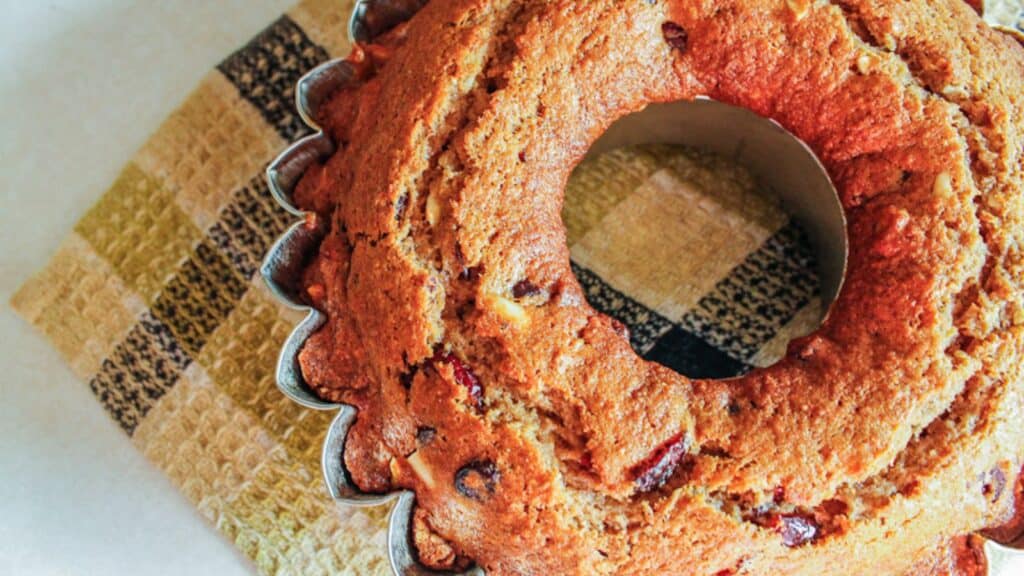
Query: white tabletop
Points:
[82, 84]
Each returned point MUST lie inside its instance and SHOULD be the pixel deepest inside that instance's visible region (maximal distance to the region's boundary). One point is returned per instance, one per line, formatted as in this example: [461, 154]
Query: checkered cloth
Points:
[154, 299]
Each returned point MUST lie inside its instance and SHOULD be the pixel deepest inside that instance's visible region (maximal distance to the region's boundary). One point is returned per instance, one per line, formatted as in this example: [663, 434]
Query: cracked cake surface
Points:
[535, 439]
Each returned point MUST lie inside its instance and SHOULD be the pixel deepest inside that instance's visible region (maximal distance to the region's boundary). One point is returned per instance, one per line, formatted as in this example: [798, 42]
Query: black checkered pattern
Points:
[200, 295]
[732, 322]
[265, 72]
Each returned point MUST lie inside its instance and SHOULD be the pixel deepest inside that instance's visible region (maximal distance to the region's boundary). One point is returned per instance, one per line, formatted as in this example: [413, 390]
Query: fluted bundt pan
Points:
[814, 204]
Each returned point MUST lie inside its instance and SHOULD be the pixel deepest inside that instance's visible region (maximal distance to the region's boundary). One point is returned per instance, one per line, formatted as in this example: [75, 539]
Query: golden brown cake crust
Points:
[536, 441]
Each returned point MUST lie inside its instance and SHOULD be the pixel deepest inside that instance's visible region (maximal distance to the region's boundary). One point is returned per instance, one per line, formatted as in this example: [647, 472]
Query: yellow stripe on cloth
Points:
[240, 358]
[209, 147]
[79, 304]
[325, 24]
[139, 230]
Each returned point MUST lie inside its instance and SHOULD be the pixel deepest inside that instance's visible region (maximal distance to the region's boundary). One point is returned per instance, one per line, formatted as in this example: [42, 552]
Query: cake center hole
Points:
[712, 234]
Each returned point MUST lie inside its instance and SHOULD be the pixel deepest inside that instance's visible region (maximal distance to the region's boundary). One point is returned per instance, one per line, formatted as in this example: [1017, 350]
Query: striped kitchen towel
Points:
[154, 300]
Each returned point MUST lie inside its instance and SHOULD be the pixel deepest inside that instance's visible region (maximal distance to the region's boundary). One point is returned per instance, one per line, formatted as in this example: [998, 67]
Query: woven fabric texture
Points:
[154, 298]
